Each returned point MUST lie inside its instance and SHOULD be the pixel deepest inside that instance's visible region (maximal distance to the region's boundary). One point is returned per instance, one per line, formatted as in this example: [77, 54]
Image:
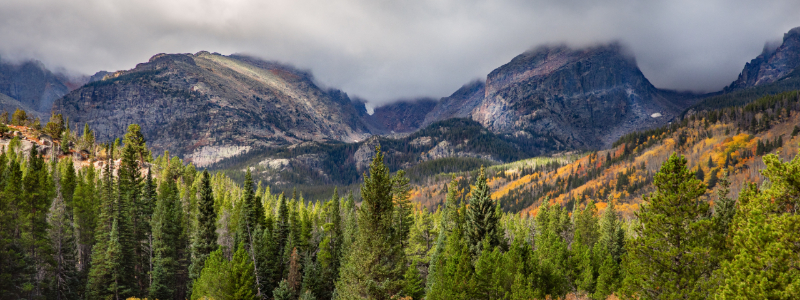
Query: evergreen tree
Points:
[413, 286]
[101, 271]
[243, 278]
[764, 262]
[205, 240]
[282, 292]
[330, 249]
[168, 242]
[37, 191]
[375, 265]
[672, 253]
[609, 252]
[134, 212]
[215, 278]
[64, 280]
[482, 220]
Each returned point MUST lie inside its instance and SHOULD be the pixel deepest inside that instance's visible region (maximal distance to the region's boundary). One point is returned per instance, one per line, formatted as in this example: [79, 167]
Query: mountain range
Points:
[223, 110]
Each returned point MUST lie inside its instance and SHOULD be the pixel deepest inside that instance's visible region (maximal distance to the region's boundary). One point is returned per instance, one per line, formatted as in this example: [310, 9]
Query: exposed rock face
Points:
[33, 87]
[403, 116]
[772, 64]
[584, 98]
[458, 105]
[205, 107]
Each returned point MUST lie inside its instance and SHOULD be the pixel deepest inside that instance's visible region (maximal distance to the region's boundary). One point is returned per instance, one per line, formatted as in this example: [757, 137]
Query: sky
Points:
[383, 50]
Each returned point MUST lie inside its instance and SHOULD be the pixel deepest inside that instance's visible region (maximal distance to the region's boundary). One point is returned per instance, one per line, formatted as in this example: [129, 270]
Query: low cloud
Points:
[385, 50]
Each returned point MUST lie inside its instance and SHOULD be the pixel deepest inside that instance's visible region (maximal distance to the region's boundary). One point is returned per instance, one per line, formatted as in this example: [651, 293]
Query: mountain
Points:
[403, 115]
[555, 95]
[772, 64]
[205, 107]
[30, 86]
[729, 140]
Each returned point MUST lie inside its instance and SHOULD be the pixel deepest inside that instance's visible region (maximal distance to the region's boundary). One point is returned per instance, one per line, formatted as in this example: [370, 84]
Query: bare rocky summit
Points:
[206, 107]
[772, 64]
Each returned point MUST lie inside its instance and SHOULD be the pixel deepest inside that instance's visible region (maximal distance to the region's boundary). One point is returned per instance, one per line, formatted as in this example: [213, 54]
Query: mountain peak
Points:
[771, 66]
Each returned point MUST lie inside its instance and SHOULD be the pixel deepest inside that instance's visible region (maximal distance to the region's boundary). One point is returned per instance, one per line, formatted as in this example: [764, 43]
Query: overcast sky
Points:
[383, 50]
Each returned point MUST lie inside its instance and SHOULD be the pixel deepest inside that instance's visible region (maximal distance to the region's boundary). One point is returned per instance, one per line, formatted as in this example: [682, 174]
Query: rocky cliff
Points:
[772, 64]
[583, 98]
[30, 86]
[205, 107]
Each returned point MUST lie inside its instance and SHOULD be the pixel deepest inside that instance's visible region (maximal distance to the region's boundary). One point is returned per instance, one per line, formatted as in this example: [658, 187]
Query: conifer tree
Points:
[375, 265]
[37, 189]
[101, 271]
[608, 253]
[206, 238]
[482, 220]
[330, 249]
[134, 212]
[168, 242]
[243, 278]
[671, 254]
[60, 232]
[764, 262]
[413, 286]
[215, 278]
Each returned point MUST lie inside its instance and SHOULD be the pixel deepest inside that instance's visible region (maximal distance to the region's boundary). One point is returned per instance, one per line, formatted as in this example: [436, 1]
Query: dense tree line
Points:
[157, 228]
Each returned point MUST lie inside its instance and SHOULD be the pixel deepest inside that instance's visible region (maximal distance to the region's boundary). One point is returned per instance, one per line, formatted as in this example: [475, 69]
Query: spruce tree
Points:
[101, 271]
[330, 249]
[608, 253]
[764, 262]
[482, 220]
[215, 278]
[413, 286]
[168, 242]
[672, 253]
[205, 240]
[37, 193]
[375, 264]
[64, 280]
[134, 212]
[242, 276]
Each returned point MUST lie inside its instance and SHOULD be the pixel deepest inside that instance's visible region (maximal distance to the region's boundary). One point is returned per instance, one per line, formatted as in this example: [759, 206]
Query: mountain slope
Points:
[33, 86]
[714, 142]
[205, 107]
[772, 64]
[567, 98]
[585, 98]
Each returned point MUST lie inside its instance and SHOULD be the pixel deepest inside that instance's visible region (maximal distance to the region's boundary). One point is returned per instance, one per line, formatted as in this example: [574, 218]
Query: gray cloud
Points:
[383, 50]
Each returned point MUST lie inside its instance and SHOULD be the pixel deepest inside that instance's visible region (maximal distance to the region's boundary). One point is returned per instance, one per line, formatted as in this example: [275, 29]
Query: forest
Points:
[131, 225]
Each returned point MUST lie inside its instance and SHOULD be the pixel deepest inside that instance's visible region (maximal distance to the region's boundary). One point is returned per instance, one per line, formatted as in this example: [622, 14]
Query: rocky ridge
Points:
[205, 107]
[772, 64]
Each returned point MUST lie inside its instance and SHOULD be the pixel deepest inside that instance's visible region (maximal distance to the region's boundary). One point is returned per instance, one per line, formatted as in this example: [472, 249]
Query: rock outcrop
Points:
[772, 64]
[584, 98]
[30, 86]
[205, 107]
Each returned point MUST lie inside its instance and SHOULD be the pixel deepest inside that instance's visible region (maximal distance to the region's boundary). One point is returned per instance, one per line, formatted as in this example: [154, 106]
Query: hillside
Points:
[314, 167]
[731, 140]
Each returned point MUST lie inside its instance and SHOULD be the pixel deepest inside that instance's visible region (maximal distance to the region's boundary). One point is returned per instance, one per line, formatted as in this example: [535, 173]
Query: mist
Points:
[387, 50]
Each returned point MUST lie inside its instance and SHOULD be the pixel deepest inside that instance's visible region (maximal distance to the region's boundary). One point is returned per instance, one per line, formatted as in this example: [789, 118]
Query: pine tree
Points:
[375, 264]
[37, 191]
[168, 242]
[413, 286]
[330, 249]
[764, 262]
[215, 279]
[134, 212]
[64, 280]
[206, 238]
[482, 220]
[251, 226]
[311, 279]
[282, 292]
[608, 252]
[671, 254]
[404, 210]
[101, 271]
[243, 278]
